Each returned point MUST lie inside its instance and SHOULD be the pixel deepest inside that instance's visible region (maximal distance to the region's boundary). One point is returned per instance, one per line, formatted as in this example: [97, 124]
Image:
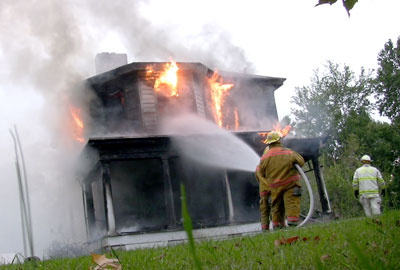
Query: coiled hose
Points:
[310, 194]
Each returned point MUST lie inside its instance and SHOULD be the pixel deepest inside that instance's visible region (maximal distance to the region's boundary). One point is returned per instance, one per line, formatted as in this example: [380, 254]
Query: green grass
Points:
[348, 244]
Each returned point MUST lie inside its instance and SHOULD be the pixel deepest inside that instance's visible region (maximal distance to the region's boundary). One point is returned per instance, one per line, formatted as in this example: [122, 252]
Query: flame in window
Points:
[78, 124]
[219, 91]
[167, 82]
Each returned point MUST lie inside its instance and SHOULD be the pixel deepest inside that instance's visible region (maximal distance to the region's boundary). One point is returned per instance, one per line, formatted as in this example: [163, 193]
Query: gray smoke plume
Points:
[47, 49]
[212, 46]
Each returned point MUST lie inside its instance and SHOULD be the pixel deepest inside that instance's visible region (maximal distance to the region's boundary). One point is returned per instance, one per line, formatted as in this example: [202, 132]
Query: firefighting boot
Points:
[292, 223]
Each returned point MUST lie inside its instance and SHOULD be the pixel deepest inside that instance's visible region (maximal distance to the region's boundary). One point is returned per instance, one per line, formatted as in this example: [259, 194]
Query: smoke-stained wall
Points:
[254, 97]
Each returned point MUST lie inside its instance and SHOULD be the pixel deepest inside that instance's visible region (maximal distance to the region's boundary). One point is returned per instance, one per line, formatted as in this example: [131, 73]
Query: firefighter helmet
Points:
[272, 137]
[366, 158]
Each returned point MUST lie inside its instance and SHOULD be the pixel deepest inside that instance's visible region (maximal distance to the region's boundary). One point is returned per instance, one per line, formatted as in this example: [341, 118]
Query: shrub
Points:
[341, 195]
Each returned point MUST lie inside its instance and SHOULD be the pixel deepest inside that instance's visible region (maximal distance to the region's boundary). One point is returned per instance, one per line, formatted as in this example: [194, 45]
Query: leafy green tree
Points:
[348, 4]
[323, 106]
[388, 81]
[393, 188]
[286, 121]
[337, 103]
[380, 140]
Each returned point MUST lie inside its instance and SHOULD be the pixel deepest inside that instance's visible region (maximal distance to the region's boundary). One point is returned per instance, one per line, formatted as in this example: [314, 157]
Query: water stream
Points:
[203, 141]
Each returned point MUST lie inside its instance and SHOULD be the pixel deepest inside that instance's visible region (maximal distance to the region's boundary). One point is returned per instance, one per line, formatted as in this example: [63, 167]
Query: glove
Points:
[383, 192]
[297, 191]
[356, 193]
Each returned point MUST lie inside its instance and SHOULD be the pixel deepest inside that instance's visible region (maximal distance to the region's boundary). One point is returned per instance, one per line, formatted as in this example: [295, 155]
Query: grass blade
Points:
[364, 260]
[187, 224]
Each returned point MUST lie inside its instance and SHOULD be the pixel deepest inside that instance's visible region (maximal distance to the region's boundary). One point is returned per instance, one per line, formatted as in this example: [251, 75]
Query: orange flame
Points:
[236, 119]
[167, 82]
[277, 127]
[218, 92]
[283, 132]
[149, 70]
[79, 126]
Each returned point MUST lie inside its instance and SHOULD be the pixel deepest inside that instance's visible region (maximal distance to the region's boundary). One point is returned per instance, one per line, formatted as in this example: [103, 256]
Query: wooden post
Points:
[108, 203]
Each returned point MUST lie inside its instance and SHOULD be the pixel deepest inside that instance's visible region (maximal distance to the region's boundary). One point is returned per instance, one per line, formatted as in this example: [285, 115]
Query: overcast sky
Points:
[45, 46]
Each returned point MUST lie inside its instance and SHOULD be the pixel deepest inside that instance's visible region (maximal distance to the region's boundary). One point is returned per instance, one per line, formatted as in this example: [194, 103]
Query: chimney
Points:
[107, 61]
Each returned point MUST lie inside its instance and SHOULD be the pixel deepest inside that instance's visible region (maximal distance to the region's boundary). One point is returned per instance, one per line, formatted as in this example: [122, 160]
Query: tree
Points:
[348, 4]
[323, 106]
[388, 81]
[337, 103]
[377, 139]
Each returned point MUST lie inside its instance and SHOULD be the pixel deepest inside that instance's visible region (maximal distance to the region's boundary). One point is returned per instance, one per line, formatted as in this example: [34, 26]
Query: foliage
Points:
[388, 80]
[393, 189]
[338, 179]
[360, 243]
[323, 106]
[187, 224]
[348, 4]
[337, 104]
[285, 121]
[378, 139]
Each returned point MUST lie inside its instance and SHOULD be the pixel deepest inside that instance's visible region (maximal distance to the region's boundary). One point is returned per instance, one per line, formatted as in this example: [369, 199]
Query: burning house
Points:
[132, 191]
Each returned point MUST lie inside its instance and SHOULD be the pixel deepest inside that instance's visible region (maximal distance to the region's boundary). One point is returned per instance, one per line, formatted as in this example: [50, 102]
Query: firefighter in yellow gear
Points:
[279, 180]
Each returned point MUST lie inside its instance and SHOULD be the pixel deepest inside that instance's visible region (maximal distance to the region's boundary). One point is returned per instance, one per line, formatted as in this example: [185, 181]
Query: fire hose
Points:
[310, 194]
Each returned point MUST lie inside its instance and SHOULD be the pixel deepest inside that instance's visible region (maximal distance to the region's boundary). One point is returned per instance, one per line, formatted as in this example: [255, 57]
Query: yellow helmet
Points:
[272, 137]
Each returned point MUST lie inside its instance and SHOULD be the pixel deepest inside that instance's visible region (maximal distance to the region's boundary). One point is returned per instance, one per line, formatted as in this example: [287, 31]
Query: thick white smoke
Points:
[46, 48]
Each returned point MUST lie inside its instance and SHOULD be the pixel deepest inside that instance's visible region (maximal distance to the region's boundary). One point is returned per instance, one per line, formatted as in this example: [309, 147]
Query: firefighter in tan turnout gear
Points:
[279, 182]
[366, 183]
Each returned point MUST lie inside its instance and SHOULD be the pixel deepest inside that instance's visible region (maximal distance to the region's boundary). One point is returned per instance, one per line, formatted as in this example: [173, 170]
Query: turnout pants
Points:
[286, 202]
[265, 209]
[372, 206]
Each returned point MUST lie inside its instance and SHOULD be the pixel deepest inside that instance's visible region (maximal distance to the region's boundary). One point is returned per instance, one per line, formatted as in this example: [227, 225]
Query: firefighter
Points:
[366, 183]
[279, 179]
